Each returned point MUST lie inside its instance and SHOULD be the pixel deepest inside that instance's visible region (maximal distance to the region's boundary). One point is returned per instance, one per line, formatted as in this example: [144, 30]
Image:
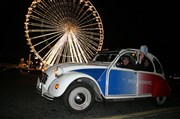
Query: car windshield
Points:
[105, 56]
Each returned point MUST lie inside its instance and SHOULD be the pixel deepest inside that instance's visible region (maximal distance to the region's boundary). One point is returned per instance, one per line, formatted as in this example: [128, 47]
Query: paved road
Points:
[20, 100]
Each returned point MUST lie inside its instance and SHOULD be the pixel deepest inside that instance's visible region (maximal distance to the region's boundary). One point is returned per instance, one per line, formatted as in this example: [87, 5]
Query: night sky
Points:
[126, 25]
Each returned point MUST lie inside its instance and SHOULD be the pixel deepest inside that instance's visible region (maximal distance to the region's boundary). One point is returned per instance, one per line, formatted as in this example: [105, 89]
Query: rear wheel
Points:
[79, 98]
[160, 100]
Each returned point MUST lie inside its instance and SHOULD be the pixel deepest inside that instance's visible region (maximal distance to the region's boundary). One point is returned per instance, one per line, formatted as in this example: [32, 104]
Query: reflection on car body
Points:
[103, 78]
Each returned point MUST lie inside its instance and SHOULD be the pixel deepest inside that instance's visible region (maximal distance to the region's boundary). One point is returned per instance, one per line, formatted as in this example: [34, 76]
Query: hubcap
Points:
[79, 98]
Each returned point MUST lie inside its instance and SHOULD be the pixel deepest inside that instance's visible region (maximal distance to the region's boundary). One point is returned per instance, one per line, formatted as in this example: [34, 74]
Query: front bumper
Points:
[40, 88]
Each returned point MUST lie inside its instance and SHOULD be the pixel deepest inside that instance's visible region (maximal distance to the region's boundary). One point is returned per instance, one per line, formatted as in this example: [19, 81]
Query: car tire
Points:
[79, 98]
[160, 100]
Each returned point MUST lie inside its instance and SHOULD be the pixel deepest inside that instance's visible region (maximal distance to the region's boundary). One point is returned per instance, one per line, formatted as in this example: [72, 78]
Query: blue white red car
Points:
[103, 78]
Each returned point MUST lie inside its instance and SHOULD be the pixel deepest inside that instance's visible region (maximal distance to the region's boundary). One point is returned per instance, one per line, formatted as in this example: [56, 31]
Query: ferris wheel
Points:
[63, 30]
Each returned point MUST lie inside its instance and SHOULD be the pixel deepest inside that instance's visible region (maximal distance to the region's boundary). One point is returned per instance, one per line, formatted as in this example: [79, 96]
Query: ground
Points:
[19, 99]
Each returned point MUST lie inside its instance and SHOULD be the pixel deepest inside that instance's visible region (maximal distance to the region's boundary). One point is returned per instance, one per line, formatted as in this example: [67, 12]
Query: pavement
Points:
[19, 100]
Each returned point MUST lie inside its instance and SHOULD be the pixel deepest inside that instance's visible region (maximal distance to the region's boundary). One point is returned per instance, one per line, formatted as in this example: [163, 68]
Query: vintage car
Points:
[103, 78]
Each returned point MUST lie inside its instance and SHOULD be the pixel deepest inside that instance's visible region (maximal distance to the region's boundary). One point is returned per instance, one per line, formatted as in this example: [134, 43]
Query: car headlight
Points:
[57, 71]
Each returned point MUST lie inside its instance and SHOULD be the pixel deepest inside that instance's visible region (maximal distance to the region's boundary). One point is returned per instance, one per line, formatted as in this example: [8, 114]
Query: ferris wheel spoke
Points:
[67, 8]
[80, 51]
[81, 10]
[76, 10]
[72, 50]
[46, 40]
[89, 39]
[50, 13]
[42, 30]
[94, 25]
[41, 25]
[77, 49]
[82, 15]
[54, 50]
[46, 46]
[91, 34]
[89, 45]
[89, 18]
[89, 49]
[42, 17]
[85, 22]
[44, 35]
[59, 14]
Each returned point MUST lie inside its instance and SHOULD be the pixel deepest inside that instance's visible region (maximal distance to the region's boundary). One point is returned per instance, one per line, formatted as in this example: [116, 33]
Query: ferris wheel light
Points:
[34, 2]
[35, 57]
[29, 9]
[26, 31]
[34, 5]
[26, 23]
[28, 39]
[31, 50]
[27, 35]
[39, 0]
[27, 15]
[31, 47]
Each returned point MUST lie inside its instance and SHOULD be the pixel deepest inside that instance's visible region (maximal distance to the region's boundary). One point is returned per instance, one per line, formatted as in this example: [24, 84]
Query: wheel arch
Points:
[70, 78]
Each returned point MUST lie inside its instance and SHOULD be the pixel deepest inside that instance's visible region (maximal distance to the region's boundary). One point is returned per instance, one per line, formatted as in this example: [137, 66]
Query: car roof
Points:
[149, 55]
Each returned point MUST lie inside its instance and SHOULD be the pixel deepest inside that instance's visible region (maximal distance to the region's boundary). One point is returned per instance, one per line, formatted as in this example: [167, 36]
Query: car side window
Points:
[105, 57]
[157, 66]
[112, 57]
[102, 57]
[126, 61]
[147, 65]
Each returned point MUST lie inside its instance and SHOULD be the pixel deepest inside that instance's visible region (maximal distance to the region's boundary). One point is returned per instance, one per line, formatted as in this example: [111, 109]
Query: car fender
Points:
[161, 88]
[60, 84]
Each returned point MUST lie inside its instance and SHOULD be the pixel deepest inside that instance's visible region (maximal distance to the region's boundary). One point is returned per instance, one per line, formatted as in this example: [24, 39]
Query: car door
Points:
[145, 78]
[122, 81]
[145, 83]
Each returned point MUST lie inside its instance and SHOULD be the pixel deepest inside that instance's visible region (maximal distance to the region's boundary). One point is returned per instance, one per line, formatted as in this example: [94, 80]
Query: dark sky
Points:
[125, 25]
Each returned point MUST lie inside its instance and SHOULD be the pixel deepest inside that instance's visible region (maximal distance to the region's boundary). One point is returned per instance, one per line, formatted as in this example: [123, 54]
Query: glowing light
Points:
[56, 86]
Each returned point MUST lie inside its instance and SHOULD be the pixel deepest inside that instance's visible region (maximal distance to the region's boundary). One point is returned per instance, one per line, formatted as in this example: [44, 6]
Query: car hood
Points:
[77, 66]
[94, 69]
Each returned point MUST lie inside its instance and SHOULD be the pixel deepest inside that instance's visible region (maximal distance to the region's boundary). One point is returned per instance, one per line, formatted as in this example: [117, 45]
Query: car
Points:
[80, 85]
[174, 82]
[175, 77]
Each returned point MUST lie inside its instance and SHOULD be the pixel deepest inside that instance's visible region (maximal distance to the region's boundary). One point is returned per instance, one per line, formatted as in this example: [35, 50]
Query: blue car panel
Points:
[122, 82]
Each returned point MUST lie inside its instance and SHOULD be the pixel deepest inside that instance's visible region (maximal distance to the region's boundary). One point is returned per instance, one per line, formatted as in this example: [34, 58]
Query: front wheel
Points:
[160, 100]
[79, 98]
